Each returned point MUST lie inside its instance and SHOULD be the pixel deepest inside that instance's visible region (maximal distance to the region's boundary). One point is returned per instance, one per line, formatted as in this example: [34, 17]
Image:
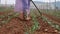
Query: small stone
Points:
[56, 30]
[53, 26]
[46, 29]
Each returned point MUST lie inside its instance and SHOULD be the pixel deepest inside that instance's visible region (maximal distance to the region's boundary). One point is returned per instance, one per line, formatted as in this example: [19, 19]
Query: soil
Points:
[45, 28]
[53, 18]
[17, 26]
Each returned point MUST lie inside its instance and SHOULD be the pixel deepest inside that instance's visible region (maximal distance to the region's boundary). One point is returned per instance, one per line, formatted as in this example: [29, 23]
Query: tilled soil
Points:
[55, 19]
[13, 27]
[45, 28]
[16, 26]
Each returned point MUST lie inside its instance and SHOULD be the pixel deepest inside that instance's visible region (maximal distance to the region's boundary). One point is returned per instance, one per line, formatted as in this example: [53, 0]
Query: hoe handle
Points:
[36, 7]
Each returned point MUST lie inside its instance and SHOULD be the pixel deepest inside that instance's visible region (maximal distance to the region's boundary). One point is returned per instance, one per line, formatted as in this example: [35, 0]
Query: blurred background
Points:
[51, 7]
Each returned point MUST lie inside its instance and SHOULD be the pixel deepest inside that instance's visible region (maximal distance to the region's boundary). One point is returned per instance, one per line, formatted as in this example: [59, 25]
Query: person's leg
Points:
[26, 9]
[23, 6]
[28, 14]
[19, 8]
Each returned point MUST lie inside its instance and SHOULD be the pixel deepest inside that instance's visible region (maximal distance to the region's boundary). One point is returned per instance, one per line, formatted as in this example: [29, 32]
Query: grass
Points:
[56, 26]
[9, 17]
[35, 26]
[52, 12]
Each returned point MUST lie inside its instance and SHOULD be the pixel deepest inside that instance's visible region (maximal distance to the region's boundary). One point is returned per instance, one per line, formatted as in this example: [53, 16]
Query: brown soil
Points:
[53, 18]
[16, 26]
[45, 28]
